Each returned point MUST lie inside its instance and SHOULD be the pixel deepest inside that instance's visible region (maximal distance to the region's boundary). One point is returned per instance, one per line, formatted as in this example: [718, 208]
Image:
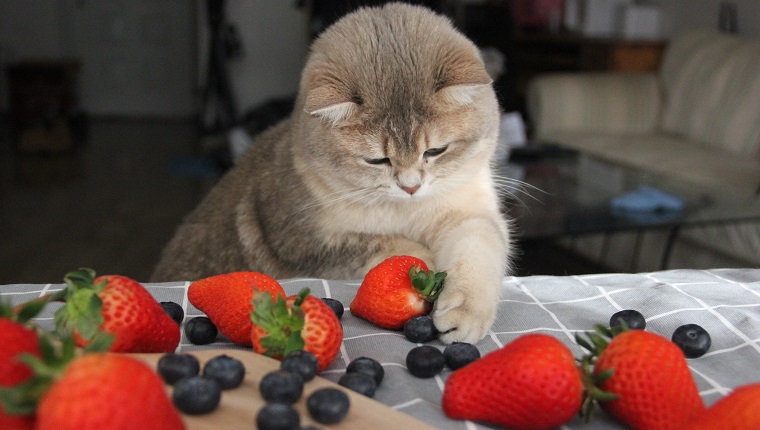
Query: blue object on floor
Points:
[647, 199]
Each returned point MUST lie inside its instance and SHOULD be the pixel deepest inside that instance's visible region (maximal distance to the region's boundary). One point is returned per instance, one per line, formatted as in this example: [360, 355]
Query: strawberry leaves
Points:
[428, 283]
[282, 323]
[82, 311]
[596, 343]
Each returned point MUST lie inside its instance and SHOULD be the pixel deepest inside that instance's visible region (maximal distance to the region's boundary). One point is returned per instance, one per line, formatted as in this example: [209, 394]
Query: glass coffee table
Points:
[550, 192]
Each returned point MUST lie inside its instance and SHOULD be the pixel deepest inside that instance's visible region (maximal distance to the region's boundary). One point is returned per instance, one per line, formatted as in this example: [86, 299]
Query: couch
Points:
[697, 118]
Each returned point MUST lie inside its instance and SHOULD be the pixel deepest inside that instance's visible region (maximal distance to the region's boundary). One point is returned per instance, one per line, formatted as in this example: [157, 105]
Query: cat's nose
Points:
[411, 190]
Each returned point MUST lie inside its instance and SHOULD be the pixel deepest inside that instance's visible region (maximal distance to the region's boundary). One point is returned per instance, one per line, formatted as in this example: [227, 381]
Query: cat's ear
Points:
[455, 96]
[461, 85]
[327, 102]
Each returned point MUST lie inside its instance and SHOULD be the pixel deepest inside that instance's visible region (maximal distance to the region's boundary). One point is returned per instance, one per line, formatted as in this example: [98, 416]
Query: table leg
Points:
[636, 250]
[669, 246]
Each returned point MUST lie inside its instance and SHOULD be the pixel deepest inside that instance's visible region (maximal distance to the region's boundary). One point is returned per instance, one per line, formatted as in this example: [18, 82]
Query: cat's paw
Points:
[463, 315]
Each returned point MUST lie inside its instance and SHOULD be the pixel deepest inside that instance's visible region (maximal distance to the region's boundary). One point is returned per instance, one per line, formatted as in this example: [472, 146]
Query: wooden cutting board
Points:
[239, 406]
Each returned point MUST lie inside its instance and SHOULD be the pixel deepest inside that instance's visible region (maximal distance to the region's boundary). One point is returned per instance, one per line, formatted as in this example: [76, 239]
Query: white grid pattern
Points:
[726, 302]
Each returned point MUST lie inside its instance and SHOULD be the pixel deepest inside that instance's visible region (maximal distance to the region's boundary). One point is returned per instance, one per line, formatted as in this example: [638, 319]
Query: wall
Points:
[137, 56]
[123, 46]
[679, 15]
[16, 39]
[274, 34]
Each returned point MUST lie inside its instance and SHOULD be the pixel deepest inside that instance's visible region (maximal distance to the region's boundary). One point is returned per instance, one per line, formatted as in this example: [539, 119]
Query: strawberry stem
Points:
[429, 284]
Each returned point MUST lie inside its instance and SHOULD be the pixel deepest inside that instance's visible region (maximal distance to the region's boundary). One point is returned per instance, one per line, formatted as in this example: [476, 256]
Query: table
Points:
[726, 302]
[566, 193]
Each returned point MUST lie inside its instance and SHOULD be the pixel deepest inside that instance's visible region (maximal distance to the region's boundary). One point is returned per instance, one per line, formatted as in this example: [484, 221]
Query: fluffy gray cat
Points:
[386, 153]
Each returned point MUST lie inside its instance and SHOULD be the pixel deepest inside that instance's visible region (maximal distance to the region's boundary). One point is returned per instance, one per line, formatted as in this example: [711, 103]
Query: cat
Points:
[387, 152]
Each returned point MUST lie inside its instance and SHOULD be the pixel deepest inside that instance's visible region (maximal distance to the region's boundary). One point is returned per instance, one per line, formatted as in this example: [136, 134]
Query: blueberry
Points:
[420, 329]
[277, 416]
[302, 362]
[328, 405]
[174, 311]
[460, 354]
[173, 367]
[200, 331]
[693, 340]
[227, 371]
[359, 382]
[281, 386]
[335, 305]
[424, 361]
[196, 395]
[633, 319]
[367, 365]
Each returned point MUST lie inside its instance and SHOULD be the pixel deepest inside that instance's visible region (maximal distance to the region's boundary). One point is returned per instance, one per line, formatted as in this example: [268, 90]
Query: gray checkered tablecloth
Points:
[726, 302]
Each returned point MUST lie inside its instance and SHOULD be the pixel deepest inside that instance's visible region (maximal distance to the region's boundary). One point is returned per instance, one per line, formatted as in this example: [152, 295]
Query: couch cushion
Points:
[670, 155]
[601, 102]
[712, 90]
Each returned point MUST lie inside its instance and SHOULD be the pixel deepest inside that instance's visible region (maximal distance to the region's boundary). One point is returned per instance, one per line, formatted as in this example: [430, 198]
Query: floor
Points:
[114, 203]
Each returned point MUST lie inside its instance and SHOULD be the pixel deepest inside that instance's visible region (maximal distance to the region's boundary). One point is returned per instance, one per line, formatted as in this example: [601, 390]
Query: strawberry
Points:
[300, 322]
[395, 291]
[531, 383]
[740, 410]
[226, 300]
[15, 339]
[647, 376]
[15, 422]
[119, 306]
[99, 391]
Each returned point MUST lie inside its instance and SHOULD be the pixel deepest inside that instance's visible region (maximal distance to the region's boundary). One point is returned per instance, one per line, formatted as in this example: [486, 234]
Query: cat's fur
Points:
[322, 194]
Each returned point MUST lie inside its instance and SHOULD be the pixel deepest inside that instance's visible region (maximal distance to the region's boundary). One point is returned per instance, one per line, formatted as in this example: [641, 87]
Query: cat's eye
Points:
[378, 161]
[432, 152]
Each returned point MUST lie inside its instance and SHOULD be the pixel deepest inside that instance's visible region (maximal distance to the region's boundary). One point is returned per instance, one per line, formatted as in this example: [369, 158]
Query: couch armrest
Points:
[594, 102]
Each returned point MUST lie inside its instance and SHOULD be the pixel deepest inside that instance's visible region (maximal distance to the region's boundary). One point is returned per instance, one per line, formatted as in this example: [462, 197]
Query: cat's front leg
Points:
[474, 253]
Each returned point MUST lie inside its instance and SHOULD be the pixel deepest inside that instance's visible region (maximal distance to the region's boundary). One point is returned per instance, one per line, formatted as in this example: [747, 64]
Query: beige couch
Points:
[698, 119]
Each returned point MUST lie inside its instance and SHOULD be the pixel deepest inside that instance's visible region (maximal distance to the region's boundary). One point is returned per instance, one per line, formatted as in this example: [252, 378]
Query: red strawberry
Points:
[395, 291]
[107, 391]
[298, 322]
[650, 378]
[15, 422]
[15, 339]
[740, 410]
[118, 306]
[226, 300]
[531, 383]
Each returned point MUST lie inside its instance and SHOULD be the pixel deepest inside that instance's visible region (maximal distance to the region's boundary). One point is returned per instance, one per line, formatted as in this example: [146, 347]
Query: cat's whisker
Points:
[375, 197]
[514, 187]
[328, 202]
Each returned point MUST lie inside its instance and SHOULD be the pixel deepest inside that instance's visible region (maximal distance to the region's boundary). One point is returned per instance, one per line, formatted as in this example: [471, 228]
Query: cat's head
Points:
[394, 101]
